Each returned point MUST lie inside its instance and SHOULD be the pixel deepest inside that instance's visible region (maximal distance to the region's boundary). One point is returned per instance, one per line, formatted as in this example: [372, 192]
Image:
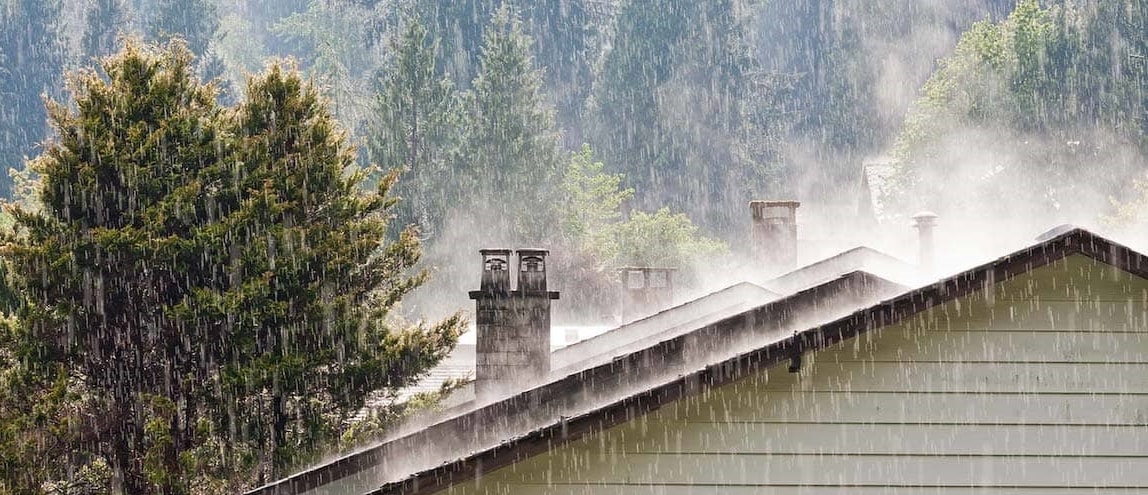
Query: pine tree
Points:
[194, 21]
[416, 128]
[668, 104]
[460, 26]
[34, 57]
[564, 47]
[511, 147]
[106, 21]
[208, 280]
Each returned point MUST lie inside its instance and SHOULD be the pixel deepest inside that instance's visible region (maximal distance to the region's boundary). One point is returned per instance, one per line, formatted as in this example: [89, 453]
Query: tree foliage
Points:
[1031, 100]
[669, 106]
[205, 287]
[34, 54]
[417, 129]
[600, 232]
[510, 150]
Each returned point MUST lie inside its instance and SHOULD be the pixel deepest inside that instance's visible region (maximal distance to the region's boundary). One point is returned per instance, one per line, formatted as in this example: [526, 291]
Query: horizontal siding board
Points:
[970, 377]
[998, 345]
[1093, 316]
[838, 470]
[897, 407]
[900, 439]
[623, 489]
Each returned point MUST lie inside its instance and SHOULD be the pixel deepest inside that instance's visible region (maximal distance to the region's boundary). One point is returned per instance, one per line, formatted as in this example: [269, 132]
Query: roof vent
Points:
[924, 222]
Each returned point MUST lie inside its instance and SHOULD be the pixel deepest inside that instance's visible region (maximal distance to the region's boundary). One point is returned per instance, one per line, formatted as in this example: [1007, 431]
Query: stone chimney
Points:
[924, 222]
[513, 341]
[774, 233]
[645, 291]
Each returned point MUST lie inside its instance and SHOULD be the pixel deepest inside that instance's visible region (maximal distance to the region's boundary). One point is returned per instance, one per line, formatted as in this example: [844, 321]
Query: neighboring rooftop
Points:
[662, 325]
[725, 362]
[592, 388]
[857, 258]
[578, 348]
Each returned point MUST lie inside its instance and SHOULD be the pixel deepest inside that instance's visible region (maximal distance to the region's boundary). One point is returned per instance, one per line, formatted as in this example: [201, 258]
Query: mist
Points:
[622, 133]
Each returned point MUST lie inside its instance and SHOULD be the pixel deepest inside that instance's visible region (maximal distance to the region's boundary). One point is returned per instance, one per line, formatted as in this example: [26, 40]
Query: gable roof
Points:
[664, 324]
[417, 457]
[723, 371]
[636, 383]
[857, 258]
[673, 321]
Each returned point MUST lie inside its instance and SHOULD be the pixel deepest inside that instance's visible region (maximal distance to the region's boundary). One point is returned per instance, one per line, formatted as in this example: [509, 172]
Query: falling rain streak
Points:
[241, 238]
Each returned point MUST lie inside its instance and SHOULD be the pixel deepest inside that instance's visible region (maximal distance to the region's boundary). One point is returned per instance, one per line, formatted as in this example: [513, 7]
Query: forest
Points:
[217, 195]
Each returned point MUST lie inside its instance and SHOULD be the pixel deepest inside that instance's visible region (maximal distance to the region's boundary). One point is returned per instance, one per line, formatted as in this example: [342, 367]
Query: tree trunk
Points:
[278, 428]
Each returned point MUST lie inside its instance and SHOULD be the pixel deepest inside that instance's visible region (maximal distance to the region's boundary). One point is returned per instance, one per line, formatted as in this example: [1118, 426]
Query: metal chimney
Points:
[924, 222]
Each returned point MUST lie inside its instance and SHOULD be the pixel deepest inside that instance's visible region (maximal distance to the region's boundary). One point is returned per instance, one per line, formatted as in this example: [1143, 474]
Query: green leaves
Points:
[212, 277]
[607, 235]
[1027, 109]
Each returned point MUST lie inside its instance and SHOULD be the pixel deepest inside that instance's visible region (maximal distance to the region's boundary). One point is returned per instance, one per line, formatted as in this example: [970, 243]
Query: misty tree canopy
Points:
[1029, 109]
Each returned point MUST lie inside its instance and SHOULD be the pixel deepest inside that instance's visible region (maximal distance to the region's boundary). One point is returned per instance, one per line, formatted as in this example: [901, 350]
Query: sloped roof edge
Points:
[791, 280]
[645, 369]
[888, 312]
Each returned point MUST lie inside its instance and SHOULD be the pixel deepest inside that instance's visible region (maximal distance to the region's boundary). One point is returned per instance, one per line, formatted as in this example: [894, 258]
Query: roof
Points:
[726, 369]
[628, 386]
[606, 343]
[414, 463]
[661, 325]
[858, 258]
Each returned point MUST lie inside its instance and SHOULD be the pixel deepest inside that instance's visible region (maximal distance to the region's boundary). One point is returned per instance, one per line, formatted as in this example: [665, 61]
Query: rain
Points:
[573, 246]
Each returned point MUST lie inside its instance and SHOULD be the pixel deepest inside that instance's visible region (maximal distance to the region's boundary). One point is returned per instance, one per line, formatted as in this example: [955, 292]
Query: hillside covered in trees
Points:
[227, 154]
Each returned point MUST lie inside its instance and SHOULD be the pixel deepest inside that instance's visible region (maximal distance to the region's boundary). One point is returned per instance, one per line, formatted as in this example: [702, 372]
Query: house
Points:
[1028, 374]
[647, 295]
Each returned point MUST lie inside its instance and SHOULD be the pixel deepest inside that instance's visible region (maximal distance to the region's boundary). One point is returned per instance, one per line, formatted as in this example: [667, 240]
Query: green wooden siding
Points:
[1038, 385]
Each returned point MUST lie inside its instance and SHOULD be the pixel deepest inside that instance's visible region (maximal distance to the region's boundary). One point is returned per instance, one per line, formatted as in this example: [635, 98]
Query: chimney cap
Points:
[771, 203]
[494, 252]
[773, 209]
[532, 251]
[648, 268]
[925, 218]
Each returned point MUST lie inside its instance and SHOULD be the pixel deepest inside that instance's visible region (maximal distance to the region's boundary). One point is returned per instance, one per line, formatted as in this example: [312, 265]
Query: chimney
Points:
[924, 222]
[774, 233]
[495, 270]
[645, 291]
[513, 341]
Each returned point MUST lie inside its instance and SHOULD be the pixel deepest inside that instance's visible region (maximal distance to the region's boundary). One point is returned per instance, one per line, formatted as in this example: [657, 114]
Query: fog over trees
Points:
[265, 214]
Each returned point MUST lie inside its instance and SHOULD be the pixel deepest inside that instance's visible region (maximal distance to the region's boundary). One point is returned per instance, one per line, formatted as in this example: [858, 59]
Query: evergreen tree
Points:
[194, 21]
[34, 57]
[416, 129]
[669, 105]
[333, 40]
[460, 26]
[209, 284]
[106, 21]
[511, 149]
[564, 46]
